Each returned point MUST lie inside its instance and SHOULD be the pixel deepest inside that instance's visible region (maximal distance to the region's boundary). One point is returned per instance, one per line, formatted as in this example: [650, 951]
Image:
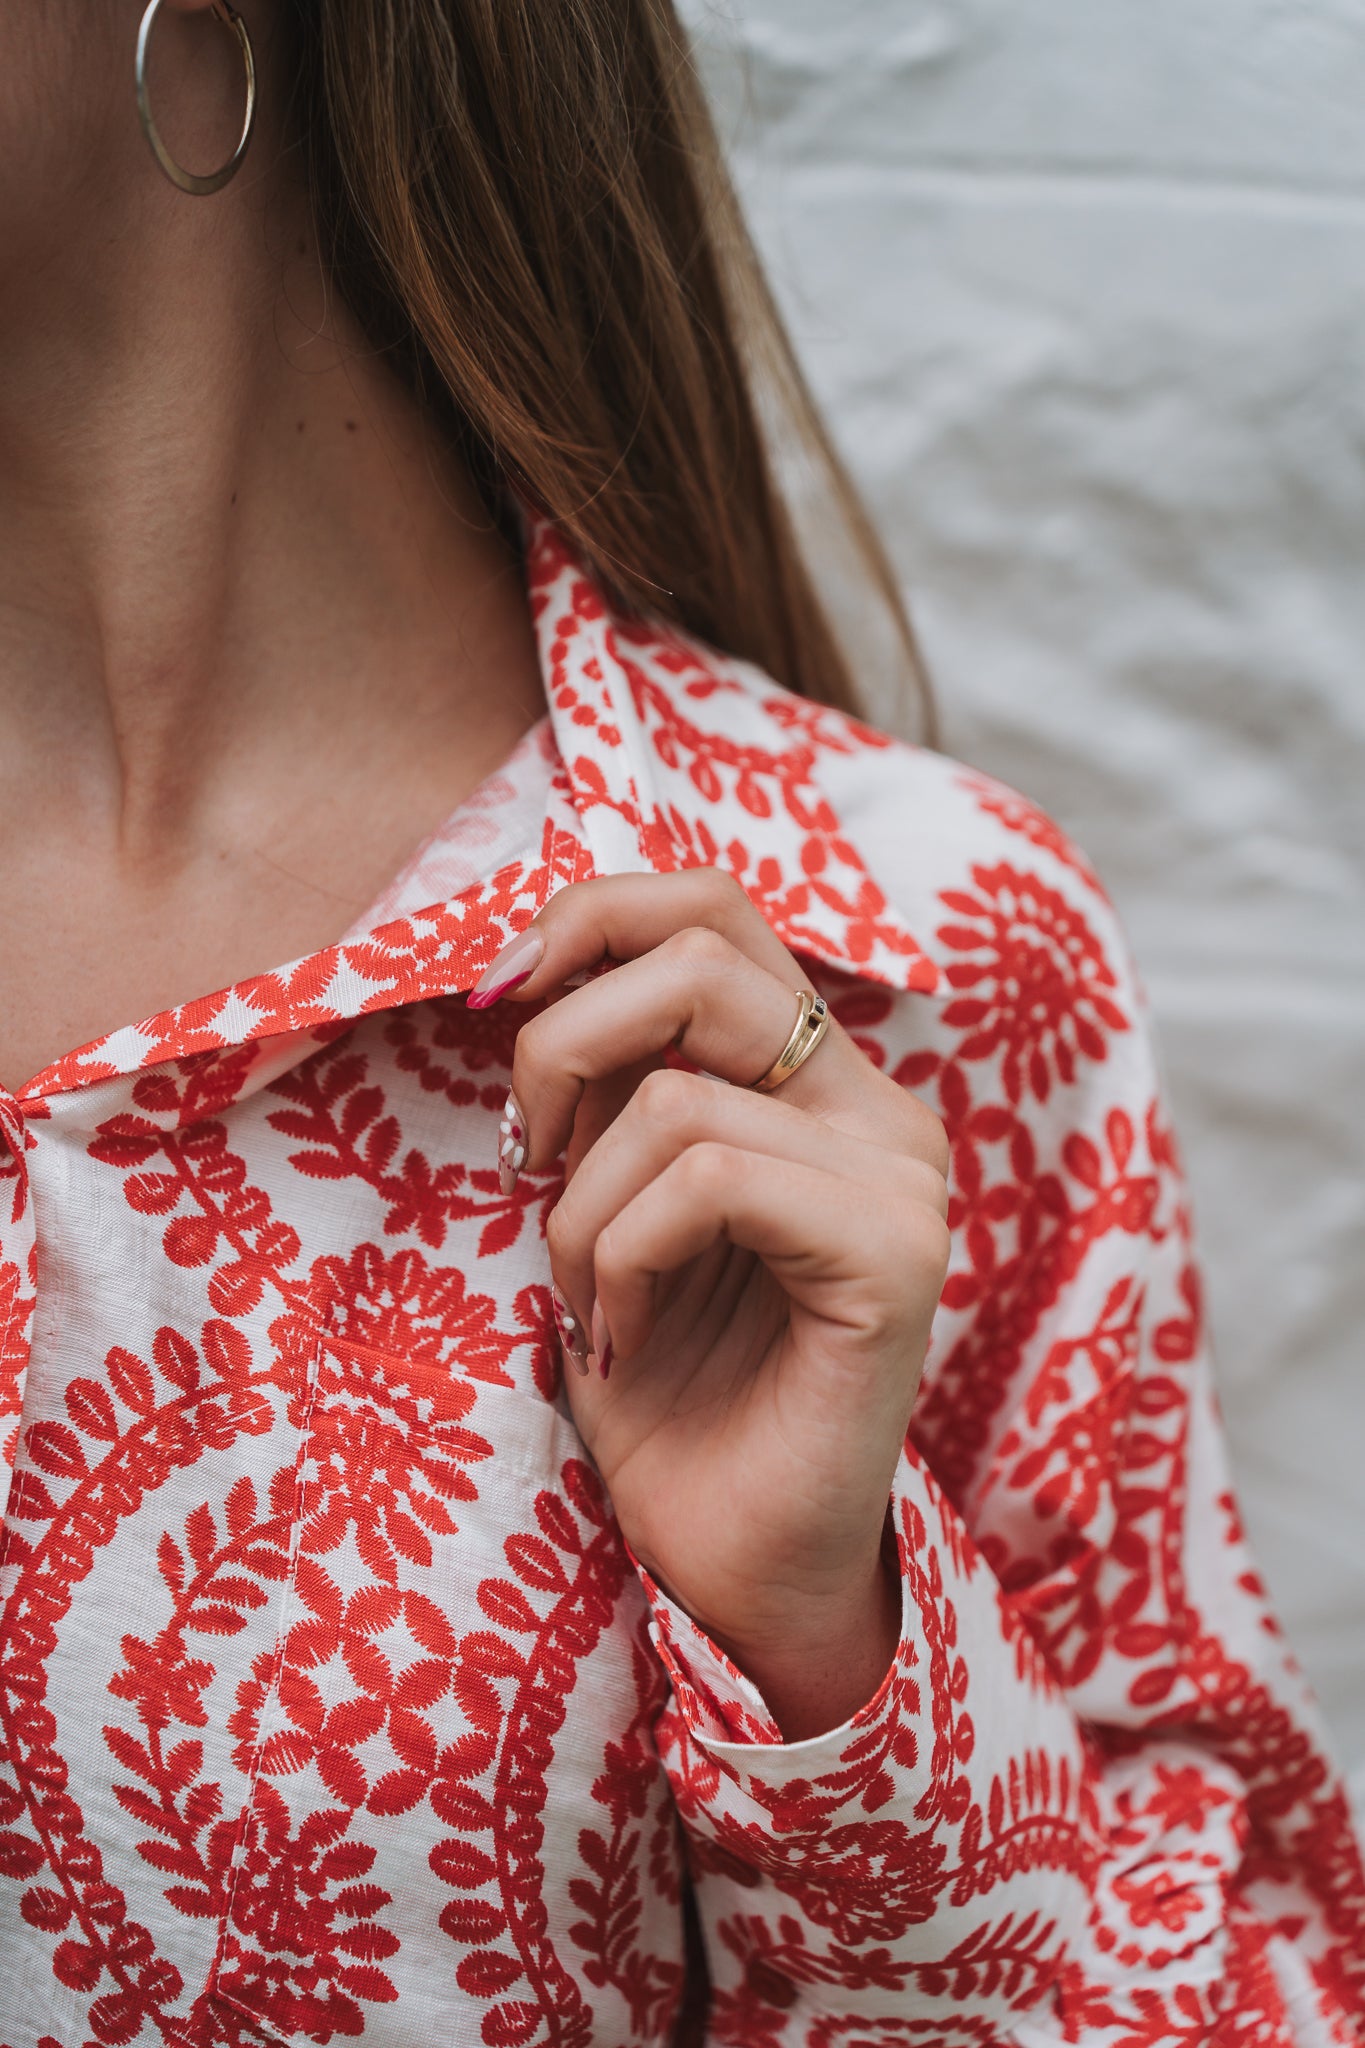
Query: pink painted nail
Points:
[516, 963]
[512, 1144]
[601, 1340]
[570, 1330]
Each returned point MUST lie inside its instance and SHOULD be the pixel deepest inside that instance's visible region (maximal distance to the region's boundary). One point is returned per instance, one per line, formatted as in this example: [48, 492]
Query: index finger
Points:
[619, 917]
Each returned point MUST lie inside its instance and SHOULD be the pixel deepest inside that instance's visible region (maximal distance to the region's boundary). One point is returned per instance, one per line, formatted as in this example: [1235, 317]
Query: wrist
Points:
[819, 1661]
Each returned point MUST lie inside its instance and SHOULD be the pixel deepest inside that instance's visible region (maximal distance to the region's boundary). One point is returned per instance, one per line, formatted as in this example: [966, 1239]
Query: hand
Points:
[758, 1273]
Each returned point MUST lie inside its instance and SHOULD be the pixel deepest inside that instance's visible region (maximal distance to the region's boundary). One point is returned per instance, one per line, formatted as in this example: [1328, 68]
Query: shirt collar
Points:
[670, 757]
[679, 757]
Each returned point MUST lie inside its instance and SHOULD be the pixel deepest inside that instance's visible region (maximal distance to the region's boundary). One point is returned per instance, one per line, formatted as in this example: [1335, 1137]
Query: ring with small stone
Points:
[812, 1022]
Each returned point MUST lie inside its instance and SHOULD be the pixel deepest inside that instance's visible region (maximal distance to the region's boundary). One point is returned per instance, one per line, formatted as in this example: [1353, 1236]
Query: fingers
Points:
[620, 917]
[695, 991]
[721, 989]
[839, 1250]
[726, 1014]
[840, 1175]
[671, 1112]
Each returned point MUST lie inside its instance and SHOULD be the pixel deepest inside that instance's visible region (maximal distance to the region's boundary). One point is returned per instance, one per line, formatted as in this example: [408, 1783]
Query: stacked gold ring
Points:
[812, 1022]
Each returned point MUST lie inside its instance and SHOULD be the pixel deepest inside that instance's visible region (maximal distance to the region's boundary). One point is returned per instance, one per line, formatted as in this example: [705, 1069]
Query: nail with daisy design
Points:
[511, 1144]
[571, 1332]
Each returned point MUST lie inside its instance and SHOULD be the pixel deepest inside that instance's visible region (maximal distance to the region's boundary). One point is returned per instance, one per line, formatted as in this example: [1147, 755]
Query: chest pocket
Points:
[454, 1568]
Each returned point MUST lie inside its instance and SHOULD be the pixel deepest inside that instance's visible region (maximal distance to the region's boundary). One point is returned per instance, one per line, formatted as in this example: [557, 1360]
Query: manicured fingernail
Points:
[511, 1144]
[516, 963]
[601, 1340]
[571, 1334]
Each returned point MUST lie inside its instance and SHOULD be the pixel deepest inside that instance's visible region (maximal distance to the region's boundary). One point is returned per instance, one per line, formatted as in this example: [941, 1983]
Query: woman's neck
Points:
[216, 508]
[254, 621]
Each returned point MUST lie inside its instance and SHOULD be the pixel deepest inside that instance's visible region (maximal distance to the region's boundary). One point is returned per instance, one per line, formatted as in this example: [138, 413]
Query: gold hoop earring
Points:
[189, 181]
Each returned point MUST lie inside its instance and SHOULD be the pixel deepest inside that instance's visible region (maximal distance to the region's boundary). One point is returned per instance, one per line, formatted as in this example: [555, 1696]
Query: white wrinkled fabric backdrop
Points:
[1082, 288]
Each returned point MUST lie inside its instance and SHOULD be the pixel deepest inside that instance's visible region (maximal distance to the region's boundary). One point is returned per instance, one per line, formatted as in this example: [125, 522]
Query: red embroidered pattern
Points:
[331, 1702]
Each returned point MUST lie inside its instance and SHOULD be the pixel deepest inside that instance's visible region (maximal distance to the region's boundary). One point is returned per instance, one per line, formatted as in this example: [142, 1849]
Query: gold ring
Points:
[812, 1022]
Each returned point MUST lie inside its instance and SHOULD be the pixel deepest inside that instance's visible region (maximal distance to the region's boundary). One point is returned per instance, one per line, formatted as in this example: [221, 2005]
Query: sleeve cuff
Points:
[722, 1708]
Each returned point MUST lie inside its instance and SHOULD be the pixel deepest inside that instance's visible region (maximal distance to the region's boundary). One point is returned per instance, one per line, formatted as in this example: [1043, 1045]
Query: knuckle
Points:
[722, 890]
[924, 1183]
[531, 1056]
[902, 1299]
[927, 1136]
[886, 1235]
[607, 1259]
[933, 1246]
[667, 1098]
[607, 1239]
[910, 1248]
[611, 1256]
[698, 949]
[707, 1168]
[559, 1233]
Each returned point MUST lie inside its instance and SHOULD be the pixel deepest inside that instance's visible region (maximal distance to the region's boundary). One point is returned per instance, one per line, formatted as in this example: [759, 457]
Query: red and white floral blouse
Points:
[331, 1704]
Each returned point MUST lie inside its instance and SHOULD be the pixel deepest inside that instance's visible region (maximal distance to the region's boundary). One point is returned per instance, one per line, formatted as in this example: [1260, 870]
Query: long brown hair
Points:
[524, 201]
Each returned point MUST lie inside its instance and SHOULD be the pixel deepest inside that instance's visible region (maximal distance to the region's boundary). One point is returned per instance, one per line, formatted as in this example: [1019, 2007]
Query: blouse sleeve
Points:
[1092, 1799]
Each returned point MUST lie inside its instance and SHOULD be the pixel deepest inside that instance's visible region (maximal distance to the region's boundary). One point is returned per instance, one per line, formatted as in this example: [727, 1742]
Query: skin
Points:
[257, 639]
[256, 636]
[765, 1269]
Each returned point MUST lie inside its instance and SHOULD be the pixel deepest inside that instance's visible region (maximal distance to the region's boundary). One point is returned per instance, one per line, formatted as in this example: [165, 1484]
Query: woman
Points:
[462, 1524]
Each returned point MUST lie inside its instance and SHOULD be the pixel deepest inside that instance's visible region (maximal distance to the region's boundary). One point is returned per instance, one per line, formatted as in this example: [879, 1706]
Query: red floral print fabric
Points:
[332, 1704]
